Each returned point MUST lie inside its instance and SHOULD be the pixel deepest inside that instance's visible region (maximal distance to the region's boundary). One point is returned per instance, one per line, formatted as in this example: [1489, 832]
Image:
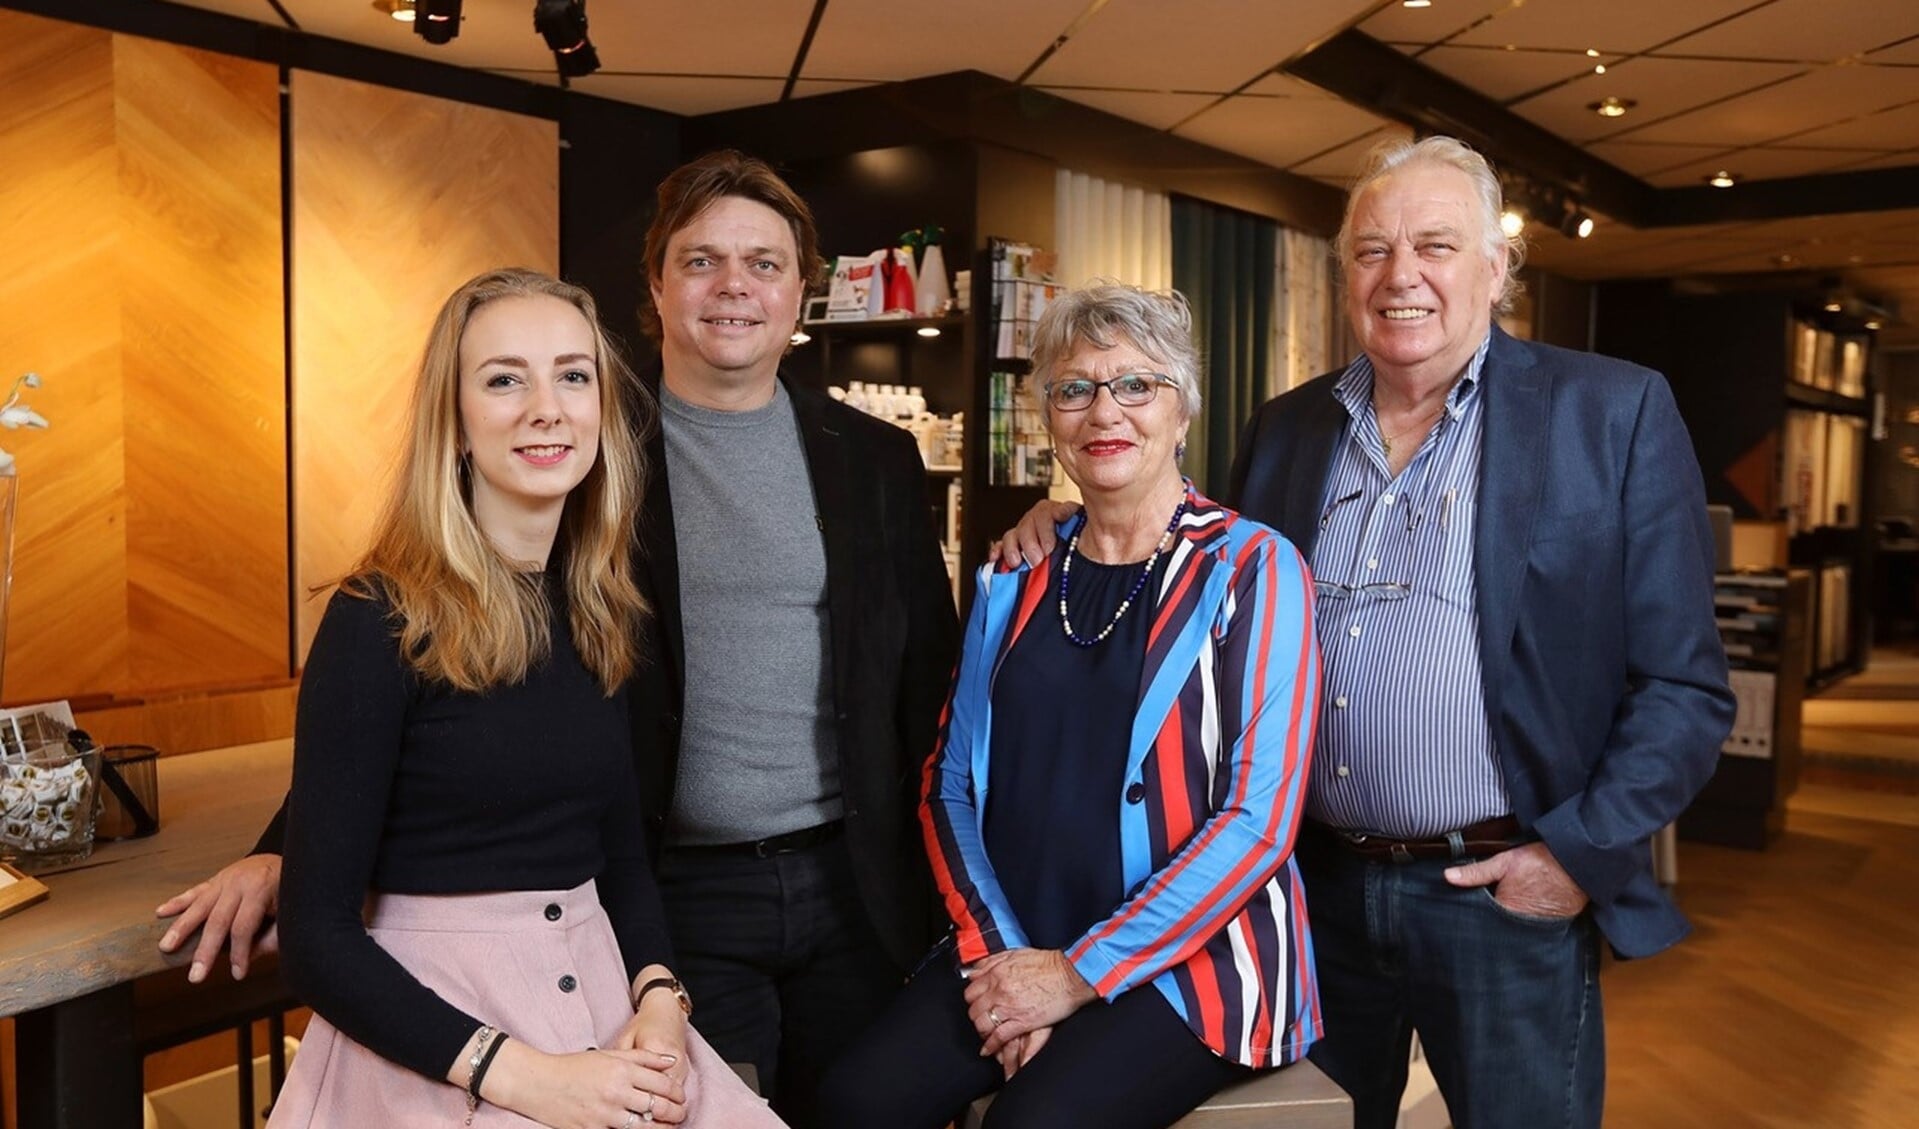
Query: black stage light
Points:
[1577, 224]
[562, 23]
[436, 21]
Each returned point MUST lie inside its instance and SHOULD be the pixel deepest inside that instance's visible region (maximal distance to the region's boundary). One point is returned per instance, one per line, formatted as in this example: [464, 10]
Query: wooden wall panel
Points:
[397, 199]
[60, 316]
[198, 138]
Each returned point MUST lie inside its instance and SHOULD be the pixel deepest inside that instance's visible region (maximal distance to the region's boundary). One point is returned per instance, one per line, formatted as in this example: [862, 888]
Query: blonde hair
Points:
[467, 616]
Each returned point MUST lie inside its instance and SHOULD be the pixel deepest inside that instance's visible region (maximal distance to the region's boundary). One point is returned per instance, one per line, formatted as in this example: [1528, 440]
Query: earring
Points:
[1179, 452]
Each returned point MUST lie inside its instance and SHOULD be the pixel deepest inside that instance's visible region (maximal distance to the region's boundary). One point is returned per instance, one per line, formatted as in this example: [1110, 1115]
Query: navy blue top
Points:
[1062, 719]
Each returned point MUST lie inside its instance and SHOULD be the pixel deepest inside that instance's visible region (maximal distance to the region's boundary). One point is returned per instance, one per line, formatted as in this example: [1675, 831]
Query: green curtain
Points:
[1223, 261]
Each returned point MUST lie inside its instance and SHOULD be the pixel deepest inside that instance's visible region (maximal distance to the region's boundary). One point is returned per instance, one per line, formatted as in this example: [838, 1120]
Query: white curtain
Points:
[1106, 229]
[1303, 308]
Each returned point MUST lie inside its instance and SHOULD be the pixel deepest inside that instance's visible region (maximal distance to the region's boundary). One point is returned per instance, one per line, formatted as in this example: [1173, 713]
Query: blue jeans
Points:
[1506, 1005]
[783, 966]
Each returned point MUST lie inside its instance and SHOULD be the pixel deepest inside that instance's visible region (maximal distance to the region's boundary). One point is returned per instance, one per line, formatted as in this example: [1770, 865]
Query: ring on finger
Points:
[648, 1115]
[631, 1118]
[993, 1014]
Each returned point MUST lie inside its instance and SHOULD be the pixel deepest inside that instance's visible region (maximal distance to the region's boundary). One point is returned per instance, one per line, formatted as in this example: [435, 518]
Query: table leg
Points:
[77, 1065]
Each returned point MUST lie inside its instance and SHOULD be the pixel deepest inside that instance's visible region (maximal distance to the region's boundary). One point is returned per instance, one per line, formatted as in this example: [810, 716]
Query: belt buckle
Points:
[763, 849]
[1400, 853]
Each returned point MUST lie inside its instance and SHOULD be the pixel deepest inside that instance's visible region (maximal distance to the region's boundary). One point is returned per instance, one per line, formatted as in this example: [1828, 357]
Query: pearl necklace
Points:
[1066, 573]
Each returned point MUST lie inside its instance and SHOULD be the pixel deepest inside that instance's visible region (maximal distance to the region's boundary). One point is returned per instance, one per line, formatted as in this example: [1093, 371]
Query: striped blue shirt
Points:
[1404, 748]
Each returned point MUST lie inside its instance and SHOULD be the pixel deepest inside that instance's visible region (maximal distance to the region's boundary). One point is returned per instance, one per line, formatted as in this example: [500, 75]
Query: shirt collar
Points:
[1354, 389]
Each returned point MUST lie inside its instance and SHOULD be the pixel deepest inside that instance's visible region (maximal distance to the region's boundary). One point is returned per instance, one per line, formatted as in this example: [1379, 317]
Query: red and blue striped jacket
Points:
[1214, 790]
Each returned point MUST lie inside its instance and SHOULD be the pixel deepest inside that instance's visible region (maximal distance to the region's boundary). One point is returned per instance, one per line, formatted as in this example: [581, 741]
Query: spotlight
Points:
[436, 21]
[1512, 221]
[401, 10]
[1578, 224]
[562, 23]
[1611, 107]
[1723, 179]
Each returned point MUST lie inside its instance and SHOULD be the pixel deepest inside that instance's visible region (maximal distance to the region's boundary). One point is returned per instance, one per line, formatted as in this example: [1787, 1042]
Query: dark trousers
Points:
[781, 961]
[1506, 1005]
[1131, 1064]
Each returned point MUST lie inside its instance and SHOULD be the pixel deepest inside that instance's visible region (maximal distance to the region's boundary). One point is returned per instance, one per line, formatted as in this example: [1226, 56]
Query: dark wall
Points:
[1725, 357]
[613, 156]
[1895, 462]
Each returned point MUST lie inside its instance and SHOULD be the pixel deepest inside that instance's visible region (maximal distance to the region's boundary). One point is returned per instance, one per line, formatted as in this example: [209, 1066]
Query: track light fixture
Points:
[436, 21]
[1578, 223]
[562, 23]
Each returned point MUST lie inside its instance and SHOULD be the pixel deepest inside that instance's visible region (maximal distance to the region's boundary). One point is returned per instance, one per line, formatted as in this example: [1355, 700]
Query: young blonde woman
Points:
[466, 903]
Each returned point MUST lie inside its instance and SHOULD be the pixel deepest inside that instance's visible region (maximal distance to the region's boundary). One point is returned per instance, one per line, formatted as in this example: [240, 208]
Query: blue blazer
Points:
[1605, 679]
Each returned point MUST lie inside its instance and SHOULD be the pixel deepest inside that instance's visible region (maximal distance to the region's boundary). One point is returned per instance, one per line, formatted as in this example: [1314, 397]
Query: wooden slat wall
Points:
[398, 198]
[60, 314]
[198, 136]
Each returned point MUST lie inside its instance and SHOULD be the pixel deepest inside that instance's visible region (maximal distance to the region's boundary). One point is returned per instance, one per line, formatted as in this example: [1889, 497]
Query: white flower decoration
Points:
[15, 414]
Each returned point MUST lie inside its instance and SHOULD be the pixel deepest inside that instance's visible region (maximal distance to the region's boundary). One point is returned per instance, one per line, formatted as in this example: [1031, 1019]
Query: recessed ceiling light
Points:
[1415, 3]
[1592, 52]
[1873, 324]
[401, 10]
[1600, 69]
[1783, 260]
[1611, 107]
[929, 331]
[1723, 179]
[1833, 307]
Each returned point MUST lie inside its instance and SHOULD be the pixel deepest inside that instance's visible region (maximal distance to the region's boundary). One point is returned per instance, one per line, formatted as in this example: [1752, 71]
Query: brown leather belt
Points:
[1488, 837]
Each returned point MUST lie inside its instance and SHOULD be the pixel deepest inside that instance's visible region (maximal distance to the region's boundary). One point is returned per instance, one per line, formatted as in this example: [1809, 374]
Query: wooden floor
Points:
[1795, 1003]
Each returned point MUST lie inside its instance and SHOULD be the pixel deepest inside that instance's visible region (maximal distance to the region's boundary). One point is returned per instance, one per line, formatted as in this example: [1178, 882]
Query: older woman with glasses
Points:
[1111, 804]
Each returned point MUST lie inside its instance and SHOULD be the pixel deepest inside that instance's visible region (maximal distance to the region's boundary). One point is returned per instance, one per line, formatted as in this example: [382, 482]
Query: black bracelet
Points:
[486, 1060]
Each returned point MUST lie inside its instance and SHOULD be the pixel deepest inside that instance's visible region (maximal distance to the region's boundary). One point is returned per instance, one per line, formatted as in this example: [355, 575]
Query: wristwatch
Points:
[672, 985]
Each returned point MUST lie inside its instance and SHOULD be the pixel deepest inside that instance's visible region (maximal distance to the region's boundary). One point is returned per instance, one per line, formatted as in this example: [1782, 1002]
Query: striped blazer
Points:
[1214, 790]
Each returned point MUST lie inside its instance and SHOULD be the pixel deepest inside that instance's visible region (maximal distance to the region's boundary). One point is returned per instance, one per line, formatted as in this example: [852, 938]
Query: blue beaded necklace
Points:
[1066, 576]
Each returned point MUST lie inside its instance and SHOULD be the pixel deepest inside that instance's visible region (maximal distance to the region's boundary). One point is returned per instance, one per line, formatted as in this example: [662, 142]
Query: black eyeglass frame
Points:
[1154, 380]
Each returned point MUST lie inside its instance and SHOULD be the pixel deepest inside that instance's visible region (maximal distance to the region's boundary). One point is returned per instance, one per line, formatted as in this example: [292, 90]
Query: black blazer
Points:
[894, 637]
[1604, 674]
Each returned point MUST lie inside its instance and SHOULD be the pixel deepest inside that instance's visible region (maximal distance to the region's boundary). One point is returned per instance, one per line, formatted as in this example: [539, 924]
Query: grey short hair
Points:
[1453, 153]
[1158, 323]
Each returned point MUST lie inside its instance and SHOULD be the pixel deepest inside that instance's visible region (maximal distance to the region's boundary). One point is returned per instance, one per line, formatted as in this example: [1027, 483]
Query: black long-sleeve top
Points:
[407, 786]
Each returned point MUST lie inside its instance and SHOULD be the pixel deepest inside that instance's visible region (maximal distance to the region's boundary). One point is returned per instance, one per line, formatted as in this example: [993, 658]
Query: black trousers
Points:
[1130, 1064]
[781, 961]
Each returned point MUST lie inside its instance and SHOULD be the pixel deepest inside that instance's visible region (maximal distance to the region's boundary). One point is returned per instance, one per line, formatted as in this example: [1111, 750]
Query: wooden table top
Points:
[97, 928]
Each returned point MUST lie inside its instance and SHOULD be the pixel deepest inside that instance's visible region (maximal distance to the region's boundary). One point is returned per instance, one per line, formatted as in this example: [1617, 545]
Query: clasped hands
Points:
[1015, 997]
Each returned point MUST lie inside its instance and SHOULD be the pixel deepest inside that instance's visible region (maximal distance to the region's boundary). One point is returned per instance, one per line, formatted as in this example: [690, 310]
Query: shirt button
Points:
[1340, 701]
[1373, 564]
[1353, 631]
[567, 983]
[553, 911]
[1386, 499]
[1343, 771]
[1135, 793]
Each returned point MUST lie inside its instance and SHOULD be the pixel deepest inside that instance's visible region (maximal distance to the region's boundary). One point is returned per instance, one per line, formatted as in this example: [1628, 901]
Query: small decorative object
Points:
[935, 294]
[13, 414]
[855, 292]
[17, 891]
[49, 787]
[897, 269]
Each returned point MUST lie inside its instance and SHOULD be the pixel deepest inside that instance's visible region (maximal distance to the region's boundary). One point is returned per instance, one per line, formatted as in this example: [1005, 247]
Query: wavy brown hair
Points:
[467, 615]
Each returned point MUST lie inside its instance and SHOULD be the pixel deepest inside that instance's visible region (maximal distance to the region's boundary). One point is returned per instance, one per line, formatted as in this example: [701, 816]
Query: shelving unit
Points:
[1763, 619]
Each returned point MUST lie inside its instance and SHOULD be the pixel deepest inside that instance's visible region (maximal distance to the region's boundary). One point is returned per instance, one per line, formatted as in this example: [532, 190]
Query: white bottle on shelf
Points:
[856, 395]
[916, 401]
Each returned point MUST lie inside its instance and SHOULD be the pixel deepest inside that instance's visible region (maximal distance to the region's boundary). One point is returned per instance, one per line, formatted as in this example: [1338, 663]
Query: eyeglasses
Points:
[1382, 590]
[1130, 390]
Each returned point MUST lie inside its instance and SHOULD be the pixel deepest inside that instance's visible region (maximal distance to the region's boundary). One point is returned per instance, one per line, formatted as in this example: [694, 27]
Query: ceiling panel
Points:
[1159, 110]
[1286, 86]
[1904, 52]
[1888, 129]
[886, 39]
[1200, 45]
[1614, 26]
[808, 87]
[1822, 97]
[259, 11]
[1814, 30]
[1644, 159]
[1503, 75]
[1661, 87]
[1762, 164]
[1408, 28]
[494, 35]
[1904, 158]
[677, 94]
[1341, 166]
[1279, 131]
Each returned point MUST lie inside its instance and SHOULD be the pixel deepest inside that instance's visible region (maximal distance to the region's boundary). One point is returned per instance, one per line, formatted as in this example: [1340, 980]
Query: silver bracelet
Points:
[487, 1031]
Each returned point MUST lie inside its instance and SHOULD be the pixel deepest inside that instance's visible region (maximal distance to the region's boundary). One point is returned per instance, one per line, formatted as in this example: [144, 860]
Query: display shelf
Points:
[1763, 621]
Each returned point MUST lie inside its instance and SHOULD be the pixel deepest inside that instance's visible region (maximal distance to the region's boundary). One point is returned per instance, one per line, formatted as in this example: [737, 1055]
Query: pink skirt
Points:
[495, 956]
